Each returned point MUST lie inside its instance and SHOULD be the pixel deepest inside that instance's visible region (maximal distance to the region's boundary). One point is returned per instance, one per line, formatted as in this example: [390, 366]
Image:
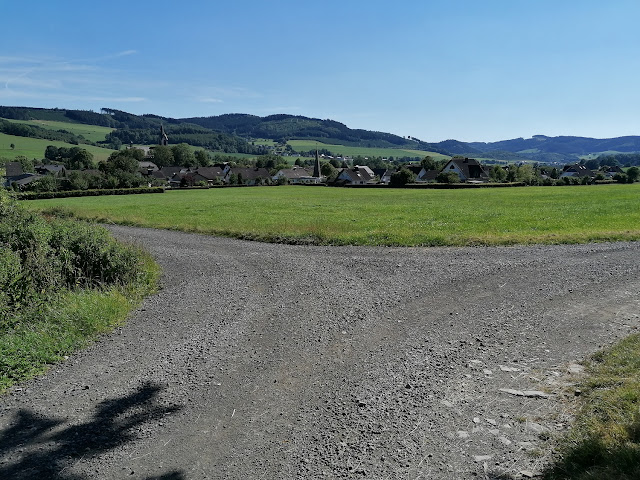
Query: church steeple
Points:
[316, 166]
[164, 139]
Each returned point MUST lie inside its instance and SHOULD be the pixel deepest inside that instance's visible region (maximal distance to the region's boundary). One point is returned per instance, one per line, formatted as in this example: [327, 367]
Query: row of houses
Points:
[226, 174]
[580, 171]
[467, 169]
[14, 174]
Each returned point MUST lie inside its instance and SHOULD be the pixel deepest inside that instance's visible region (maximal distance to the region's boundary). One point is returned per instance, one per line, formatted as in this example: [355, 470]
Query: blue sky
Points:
[470, 70]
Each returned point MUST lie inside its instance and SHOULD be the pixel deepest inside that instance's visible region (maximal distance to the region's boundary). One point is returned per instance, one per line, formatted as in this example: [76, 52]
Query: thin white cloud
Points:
[209, 100]
[23, 80]
[55, 79]
[63, 97]
[19, 60]
[125, 53]
[110, 56]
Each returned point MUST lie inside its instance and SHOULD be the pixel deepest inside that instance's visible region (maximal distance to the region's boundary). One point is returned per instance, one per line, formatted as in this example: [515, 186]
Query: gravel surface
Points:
[280, 361]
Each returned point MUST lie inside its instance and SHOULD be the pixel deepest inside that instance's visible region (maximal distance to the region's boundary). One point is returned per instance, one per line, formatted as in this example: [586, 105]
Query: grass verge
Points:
[43, 335]
[604, 443]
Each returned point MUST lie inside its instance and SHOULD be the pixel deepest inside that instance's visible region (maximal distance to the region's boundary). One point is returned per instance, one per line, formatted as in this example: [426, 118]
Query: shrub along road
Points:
[280, 361]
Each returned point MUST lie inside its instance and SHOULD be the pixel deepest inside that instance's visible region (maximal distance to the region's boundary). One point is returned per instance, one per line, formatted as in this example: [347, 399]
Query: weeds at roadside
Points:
[62, 283]
[604, 443]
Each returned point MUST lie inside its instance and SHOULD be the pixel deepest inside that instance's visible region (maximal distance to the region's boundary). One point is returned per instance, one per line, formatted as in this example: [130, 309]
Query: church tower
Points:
[164, 139]
[316, 166]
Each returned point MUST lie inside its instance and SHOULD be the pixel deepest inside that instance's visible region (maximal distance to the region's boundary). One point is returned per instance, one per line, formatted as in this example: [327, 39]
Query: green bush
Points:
[10, 282]
[61, 283]
[59, 253]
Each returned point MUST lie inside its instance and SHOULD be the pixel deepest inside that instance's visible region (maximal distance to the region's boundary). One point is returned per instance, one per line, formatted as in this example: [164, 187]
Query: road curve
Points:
[279, 361]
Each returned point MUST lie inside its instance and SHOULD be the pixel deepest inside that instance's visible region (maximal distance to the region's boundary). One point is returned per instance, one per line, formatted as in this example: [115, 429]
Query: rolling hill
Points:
[238, 133]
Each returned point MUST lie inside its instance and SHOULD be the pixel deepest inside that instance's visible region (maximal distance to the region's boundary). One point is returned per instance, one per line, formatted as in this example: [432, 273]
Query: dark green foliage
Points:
[447, 177]
[183, 156]
[27, 165]
[33, 131]
[47, 183]
[329, 171]
[497, 174]
[76, 181]
[163, 156]
[429, 163]
[402, 177]
[621, 178]
[202, 158]
[74, 158]
[269, 161]
[121, 169]
[91, 118]
[619, 159]
[632, 174]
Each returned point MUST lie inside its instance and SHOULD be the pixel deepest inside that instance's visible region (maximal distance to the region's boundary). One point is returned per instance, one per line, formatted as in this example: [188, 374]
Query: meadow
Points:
[93, 133]
[393, 217]
[35, 147]
[306, 145]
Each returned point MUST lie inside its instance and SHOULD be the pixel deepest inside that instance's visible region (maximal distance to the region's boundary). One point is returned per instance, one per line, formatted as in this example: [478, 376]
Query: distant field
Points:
[404, 217]
[306, 145]
[595, 155]
[35, 147]
[93, 133]
[264, 141]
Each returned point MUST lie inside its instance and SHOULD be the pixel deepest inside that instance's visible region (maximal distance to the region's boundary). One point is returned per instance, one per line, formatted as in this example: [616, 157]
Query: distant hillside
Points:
[561, 149]
[295, 127]
[234, 133]
[128, 128]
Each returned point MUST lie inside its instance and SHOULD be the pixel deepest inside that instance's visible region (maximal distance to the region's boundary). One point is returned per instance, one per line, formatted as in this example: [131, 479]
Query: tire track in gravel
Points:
[279, 361]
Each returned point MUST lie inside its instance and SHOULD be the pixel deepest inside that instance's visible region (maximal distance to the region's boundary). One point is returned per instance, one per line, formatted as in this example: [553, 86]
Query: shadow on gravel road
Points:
[33, 447]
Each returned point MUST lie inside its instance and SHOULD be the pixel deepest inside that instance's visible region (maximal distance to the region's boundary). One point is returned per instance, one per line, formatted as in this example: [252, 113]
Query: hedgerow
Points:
[88, 193]
[50, 270]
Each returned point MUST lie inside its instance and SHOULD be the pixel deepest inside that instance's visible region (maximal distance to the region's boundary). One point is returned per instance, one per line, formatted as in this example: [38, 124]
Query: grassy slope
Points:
[382, 216]
[93, 133]
[35, 147]
[306, 145]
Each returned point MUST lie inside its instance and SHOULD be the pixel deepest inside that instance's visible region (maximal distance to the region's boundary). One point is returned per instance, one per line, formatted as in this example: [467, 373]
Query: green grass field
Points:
[305, 145]
[405, 217]
[35, 147]
[93, 133]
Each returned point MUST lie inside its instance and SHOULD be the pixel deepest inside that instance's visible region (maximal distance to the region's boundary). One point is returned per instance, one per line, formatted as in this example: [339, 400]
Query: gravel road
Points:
[280, 361]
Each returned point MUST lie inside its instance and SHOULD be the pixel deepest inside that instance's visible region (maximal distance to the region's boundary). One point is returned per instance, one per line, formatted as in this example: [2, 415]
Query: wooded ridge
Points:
[237, 133]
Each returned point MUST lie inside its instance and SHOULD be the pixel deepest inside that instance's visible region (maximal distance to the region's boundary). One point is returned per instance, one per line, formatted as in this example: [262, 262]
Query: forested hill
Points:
[128, 128]
[295, 127]
[289, 127]
[562, 145]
